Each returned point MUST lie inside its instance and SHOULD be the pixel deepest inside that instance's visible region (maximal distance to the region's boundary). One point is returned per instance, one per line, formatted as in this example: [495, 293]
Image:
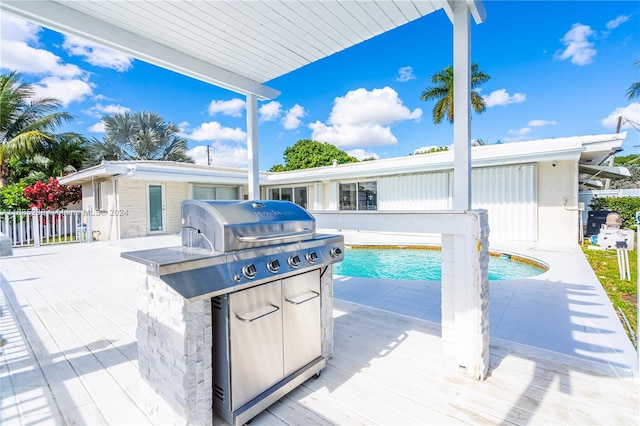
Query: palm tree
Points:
[139, 136]
[634, 89]
[68, 154]
[27, 124]
[442, 91]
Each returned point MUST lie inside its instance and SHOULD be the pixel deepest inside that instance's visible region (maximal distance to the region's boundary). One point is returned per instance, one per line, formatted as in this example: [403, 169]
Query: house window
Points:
[296, 194]
[98, 199]
[358, 196]
[206, 192]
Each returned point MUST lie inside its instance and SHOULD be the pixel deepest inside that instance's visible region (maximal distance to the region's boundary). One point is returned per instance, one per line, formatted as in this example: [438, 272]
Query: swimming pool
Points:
[423, 264]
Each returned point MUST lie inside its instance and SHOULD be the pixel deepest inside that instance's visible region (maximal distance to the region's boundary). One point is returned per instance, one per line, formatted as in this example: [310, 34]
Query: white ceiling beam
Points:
[59, 17]
[476, 8]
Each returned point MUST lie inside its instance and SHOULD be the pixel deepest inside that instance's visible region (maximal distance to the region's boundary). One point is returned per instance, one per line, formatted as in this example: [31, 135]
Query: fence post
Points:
[35, 226]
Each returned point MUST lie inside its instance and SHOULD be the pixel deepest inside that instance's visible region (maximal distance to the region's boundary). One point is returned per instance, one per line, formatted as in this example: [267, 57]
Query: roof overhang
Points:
[237, 45]
[160, 171]
[604, 172]
[544, 150]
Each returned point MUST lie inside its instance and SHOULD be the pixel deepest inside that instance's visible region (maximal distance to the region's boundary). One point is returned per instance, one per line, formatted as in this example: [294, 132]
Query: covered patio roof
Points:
[240, 45]
[237, 45]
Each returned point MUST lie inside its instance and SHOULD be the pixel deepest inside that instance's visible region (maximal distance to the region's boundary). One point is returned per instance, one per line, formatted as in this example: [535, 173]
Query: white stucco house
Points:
[530, 189]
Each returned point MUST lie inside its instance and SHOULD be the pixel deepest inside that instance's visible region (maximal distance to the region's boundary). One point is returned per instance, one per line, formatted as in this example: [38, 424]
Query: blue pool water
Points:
[416, 264]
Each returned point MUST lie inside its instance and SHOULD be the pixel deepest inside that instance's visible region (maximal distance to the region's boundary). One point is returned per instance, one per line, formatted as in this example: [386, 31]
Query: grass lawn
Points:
[623, 293]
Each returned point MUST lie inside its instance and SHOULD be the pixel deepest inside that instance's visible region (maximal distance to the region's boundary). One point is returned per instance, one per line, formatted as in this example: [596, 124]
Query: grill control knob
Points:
[249, 271]
[273, 265]
[294, 261]
[335, 252]
[311, 257]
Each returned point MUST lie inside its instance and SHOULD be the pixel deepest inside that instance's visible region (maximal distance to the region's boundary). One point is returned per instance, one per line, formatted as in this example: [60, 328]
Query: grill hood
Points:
[229, 225]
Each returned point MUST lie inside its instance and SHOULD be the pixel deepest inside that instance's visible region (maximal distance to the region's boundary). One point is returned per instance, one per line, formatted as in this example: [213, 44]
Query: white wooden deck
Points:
[69, 357]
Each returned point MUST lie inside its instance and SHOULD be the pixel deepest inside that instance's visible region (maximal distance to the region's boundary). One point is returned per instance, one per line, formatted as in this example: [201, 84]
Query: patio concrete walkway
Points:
[558, 352]
[564, 310]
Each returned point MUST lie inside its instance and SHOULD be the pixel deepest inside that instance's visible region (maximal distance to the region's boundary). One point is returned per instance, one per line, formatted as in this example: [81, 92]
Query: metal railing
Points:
[42, 227]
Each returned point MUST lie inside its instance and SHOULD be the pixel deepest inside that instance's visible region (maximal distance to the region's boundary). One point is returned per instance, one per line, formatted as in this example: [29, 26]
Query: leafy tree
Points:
[27, 124]
[442, 92]
[52, 195]
[432, 149]
[632, 163]
[307, 153]
[67, 155]
[634, 89]
[12, 198]
[139, 136]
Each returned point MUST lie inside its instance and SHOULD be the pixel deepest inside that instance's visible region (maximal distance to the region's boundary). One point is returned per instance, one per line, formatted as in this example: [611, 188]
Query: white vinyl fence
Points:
[39, 227]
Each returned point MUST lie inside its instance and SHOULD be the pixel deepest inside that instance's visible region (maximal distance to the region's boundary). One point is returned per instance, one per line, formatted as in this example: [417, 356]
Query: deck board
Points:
[69, 318]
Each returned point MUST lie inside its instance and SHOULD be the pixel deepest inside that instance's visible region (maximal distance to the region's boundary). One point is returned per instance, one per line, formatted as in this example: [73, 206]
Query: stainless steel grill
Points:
[261, 263]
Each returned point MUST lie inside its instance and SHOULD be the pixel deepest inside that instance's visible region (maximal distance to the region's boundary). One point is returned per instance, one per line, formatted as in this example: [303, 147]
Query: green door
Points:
[156, 208]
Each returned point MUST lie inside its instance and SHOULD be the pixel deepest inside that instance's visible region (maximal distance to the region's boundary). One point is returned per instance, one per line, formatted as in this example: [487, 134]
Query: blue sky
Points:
[557, 69]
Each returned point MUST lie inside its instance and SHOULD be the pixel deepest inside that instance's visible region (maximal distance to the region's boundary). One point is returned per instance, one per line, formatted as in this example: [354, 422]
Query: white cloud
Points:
[16, 29]
[97, 128]
[347, 135]
[615, 23]
[291, 119]
[18, 50]
[270, 111]
[405, 74]
[362, 154]
[233, 107]
[183, 126]
[220, 155]
[362, 118]
[501, 98]
[214, 131]
[99, 110]
[96, 54]
[629, 112]
[542, 123]
[18, 54]
[578, 48]
[376, 107]
[518, 134]
[65, 90]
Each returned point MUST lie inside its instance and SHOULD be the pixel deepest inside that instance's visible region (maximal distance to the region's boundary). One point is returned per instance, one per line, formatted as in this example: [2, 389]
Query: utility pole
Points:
[607, 182]
[619, 124]
[208, 157]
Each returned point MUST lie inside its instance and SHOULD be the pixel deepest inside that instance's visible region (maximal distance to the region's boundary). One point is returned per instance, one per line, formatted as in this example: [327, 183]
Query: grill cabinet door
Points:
[302, 333]
[255, 325]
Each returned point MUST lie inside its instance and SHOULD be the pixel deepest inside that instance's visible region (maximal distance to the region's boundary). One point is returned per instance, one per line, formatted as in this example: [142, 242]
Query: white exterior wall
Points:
[100, 219]
[132, 199]
[558, 183]
[175, 193]
[509, 194]
[424, 191]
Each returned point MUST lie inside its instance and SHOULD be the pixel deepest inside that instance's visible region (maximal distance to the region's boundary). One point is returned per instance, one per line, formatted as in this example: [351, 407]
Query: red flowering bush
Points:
[51, 195]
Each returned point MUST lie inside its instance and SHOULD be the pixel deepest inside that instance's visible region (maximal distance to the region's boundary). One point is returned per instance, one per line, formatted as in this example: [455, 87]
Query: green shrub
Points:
[626, 207]
[11, 198]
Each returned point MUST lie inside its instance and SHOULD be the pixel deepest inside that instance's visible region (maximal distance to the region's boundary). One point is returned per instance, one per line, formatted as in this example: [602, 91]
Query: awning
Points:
[604, 172]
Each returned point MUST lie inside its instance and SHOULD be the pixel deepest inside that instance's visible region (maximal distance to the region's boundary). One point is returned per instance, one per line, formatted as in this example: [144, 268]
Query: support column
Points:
[461, 106]
[465, 296]
[175, 340]
[252, 147]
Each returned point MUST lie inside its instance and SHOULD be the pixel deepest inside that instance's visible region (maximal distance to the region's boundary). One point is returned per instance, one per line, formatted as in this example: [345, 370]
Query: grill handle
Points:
[304, 298]
[272, 237]
[258, 313]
